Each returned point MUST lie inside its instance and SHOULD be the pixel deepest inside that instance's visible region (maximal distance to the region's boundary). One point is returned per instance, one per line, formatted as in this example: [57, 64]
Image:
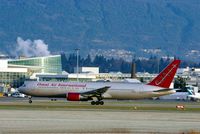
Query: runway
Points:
[66, 117]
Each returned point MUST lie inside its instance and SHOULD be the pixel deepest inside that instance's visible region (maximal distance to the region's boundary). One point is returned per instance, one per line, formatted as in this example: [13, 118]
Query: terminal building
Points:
[11, 76]
[13, 72]
[47, 64]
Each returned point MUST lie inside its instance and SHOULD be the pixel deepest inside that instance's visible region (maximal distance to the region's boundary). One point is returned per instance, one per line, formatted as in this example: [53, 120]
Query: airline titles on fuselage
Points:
[61, 85]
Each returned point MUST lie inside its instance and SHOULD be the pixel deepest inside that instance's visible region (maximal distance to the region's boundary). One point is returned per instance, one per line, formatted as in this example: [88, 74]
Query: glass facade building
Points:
[13, 73]
[48, 64]
[12, 79]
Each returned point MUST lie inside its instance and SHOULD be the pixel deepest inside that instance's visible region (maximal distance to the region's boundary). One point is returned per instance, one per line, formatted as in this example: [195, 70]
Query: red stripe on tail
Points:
[165, 78]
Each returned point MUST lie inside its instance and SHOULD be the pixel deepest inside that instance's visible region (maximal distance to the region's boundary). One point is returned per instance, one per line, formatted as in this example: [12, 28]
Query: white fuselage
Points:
[116, 91]
[195, 96]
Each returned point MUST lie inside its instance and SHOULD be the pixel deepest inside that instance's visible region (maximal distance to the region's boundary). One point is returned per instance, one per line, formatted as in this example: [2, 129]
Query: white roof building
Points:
[94, 70]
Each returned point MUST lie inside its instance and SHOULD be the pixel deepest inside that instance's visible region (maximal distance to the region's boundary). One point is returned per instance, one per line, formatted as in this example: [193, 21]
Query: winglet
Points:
[165, 78]
[190, 92]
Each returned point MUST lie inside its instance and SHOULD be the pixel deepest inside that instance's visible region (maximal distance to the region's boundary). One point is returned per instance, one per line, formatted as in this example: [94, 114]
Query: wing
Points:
[163, 90]
[96, 92]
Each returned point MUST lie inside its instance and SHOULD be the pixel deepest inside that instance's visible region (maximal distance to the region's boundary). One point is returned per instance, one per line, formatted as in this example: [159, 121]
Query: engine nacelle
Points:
[76, 97]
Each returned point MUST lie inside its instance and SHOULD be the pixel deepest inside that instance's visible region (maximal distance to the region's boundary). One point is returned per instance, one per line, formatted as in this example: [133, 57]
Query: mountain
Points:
[139, 26]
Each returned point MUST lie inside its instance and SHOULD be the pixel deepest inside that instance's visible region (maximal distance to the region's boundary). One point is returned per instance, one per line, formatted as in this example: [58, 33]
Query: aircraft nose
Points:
[21, 89]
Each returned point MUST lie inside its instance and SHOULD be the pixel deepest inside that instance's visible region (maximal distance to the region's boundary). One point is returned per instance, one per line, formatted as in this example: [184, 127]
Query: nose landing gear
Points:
[30, 100]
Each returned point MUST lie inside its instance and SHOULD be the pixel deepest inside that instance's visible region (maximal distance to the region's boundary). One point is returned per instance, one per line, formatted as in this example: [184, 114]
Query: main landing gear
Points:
[53, 99]
[97, 102]
[30, 99]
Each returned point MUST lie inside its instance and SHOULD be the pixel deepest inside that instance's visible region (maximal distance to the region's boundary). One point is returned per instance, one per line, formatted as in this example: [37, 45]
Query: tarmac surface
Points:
[44, 116]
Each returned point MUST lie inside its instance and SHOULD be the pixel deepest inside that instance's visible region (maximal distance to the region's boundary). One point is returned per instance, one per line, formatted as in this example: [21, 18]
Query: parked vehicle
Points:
[18, 95]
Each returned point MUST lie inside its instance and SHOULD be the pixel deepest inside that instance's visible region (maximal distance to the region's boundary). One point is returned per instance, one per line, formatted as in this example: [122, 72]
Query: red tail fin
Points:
[165, 78]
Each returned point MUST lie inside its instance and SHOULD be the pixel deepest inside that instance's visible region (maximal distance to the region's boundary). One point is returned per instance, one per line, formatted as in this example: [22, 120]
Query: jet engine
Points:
[76, 97]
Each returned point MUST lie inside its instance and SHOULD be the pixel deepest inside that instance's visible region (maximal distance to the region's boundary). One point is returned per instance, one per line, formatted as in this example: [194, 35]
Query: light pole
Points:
[77, 61]
[158, 65]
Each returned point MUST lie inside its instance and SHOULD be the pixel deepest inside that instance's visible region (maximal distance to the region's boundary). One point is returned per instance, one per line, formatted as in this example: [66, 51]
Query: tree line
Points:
[151, 65]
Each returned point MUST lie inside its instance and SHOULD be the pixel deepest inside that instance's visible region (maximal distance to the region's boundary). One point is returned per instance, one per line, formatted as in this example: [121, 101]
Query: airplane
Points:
[192, 95]
[97, 91]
